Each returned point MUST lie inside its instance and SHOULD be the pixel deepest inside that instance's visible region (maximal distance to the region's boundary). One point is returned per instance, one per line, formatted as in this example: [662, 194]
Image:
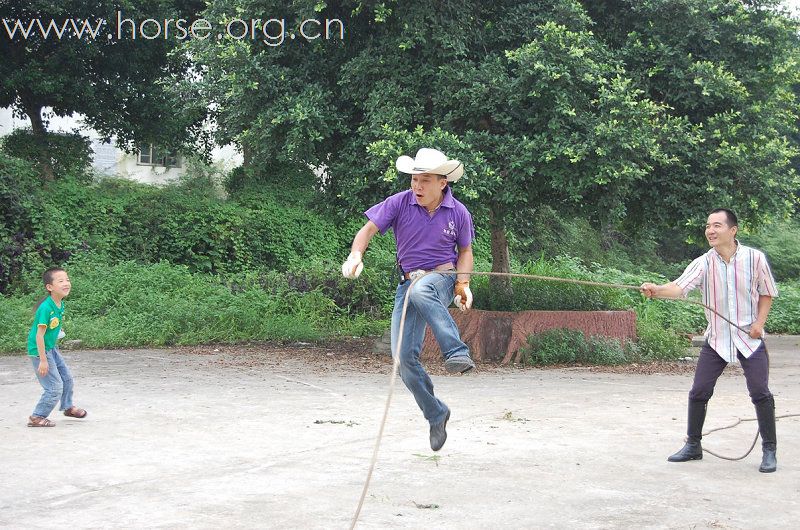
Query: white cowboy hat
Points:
[431, 161]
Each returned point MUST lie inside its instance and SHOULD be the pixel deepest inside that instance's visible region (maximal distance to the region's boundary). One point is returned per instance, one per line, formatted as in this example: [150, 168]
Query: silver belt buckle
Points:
[416, 274]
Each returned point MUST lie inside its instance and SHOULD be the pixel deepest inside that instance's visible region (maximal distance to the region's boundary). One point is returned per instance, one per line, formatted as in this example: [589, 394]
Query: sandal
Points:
[75, 412]
[38, 421]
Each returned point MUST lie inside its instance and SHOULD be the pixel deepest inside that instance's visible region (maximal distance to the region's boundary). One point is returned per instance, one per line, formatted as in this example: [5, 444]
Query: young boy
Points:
[50, 367]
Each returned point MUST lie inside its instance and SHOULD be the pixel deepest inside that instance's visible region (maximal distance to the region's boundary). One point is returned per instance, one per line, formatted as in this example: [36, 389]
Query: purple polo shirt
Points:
[424, 241]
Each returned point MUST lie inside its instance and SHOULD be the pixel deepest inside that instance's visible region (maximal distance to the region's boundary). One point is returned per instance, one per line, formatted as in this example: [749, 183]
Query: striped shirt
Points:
[732, 289]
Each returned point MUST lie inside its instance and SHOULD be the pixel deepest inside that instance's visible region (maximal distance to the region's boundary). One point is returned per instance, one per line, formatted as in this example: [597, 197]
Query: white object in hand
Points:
[353, 266]
[61, 334]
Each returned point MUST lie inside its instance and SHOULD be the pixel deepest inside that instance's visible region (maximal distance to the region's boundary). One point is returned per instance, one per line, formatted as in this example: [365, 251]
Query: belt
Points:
[414, 274]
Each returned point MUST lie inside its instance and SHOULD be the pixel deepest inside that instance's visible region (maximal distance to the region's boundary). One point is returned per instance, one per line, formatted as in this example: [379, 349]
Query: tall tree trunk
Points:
[500, 285]
[247, 157]
[34, 112]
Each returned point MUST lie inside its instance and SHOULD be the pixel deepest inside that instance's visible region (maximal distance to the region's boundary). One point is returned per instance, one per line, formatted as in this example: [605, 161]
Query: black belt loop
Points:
[398, 276]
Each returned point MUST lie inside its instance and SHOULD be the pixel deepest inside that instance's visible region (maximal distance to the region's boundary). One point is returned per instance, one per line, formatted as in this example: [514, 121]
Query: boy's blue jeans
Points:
[427, 304]
[57, 384]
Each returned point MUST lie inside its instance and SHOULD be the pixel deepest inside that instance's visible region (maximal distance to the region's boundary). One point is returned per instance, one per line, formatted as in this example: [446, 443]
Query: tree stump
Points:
[498, 335]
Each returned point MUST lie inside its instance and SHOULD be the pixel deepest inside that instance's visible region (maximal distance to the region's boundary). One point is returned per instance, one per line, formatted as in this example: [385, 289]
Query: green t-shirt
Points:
[50, 315]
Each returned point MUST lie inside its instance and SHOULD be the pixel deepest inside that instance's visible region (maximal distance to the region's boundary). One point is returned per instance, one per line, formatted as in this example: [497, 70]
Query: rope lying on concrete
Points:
[396, 358]
[731, 426]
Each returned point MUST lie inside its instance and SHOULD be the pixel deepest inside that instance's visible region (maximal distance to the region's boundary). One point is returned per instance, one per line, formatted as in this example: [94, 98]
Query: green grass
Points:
[130, 304]
[219, 283]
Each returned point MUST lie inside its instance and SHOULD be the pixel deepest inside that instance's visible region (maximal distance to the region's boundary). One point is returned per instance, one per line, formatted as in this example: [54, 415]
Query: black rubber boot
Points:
[765, 412]
[692, 450]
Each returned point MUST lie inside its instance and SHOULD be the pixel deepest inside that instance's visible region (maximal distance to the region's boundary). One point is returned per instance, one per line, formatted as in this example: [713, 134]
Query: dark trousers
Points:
[710, 367]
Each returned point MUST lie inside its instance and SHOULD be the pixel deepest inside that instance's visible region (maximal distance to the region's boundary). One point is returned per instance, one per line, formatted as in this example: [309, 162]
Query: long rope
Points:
[731, 426]
[392, 379]
[592, 284]
[396, 357]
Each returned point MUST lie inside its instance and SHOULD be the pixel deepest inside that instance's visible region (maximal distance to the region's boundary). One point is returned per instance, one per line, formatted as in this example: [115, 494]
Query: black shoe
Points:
[768, 462]
[439, 433]
[459, 364]
[690, 451]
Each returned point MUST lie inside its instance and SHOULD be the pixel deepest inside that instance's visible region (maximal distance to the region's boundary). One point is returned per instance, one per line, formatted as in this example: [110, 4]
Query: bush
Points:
[16, 322]
[201, 179]
[781, 244]
[534, 294]
[69, 154]
[673, 315]
[18, 183]
[655, 341]
[232, 248]
[545, 232]
[784, 317]
[531, 294]
[567, 346]
[121, 220]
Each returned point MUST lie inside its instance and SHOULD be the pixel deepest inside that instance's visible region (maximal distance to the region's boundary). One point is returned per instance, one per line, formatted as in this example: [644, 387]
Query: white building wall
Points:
[6, 121]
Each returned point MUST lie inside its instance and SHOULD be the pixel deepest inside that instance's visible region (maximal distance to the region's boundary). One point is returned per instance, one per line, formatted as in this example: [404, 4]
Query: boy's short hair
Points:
[47, 276]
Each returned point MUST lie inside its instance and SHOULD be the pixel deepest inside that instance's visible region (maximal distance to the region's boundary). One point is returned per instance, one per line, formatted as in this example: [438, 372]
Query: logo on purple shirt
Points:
[424, 241]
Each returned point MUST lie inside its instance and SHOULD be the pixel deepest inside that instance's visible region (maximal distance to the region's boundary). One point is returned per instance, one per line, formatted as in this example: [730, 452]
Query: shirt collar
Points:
[448, 201]
[739, 247]
[53, 304]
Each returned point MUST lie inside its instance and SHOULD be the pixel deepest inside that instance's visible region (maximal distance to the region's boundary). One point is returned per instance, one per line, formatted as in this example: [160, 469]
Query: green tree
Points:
[728, 68]
[541, 106]
[127, 87]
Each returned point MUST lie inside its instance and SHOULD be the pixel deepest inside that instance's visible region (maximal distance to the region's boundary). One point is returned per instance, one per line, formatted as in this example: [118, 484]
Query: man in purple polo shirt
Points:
[433, 232]
[737, 282]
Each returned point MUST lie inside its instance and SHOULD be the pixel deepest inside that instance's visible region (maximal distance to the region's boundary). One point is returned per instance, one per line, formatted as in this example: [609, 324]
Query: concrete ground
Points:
[220, 440]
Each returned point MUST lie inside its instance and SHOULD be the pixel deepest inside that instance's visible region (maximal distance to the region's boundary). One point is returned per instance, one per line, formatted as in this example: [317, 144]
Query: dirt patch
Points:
[357, 355]
[349, 355]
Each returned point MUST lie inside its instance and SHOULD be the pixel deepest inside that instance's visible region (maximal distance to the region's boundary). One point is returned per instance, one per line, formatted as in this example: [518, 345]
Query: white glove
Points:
[353, 266]
[61, 334]
[463, 296]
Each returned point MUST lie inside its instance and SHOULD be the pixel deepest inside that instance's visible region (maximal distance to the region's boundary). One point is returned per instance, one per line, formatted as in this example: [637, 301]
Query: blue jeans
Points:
[57, 384]
[427, 304]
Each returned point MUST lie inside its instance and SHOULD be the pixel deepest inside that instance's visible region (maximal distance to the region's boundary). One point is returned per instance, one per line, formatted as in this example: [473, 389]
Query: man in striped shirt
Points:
[736, 282]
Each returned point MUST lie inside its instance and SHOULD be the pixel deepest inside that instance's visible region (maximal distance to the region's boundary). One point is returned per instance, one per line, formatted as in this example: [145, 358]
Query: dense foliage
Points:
[144, 258]
[596, 137]
[636, 116]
